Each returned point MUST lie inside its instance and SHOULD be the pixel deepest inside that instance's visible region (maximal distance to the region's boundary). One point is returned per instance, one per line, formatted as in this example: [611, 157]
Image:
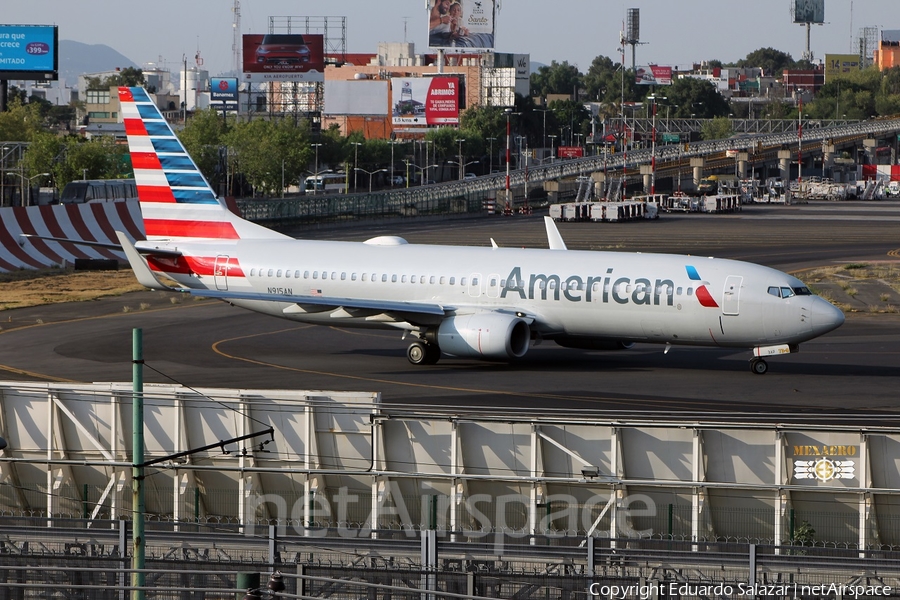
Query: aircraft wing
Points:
[354, 306]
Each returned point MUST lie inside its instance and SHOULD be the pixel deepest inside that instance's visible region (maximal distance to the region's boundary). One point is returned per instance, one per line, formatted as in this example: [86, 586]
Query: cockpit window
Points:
[802, 291]
[775, 291]
[786, 292]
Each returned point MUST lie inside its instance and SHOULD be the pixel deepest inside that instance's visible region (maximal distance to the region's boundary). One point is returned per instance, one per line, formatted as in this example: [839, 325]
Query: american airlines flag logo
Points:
[315, 292]
[824, 469]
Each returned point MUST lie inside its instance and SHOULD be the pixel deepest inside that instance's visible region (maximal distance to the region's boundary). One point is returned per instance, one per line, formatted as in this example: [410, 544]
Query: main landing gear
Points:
[422, 353]
[758, 366]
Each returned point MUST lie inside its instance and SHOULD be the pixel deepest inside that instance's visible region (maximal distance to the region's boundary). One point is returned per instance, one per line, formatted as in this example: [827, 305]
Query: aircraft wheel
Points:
[417, 353]
[758, 366]
[432, 354]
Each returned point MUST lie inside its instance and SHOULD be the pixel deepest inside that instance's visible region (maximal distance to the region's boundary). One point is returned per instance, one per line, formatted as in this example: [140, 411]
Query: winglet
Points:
[494, 244]
[141, 270]
[553, 238]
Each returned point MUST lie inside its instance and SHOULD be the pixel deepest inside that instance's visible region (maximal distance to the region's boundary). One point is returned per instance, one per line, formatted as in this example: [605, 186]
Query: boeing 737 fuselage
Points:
[483, 302]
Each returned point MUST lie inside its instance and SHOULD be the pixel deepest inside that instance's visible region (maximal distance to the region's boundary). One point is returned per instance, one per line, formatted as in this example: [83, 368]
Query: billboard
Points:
[284, 57]
[425, 101]
[223, 89]
[653, 75]
[837, 65]
[356, 98]
[29, 52]
[461, 23]
[809, 11]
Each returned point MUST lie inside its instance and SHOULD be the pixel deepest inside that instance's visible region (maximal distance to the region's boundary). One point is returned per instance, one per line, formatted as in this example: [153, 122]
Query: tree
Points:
[717, 129]
[20, 122]
[558, 78]
[203, 138]
[695, 97]
[770, 60]
[269, 153]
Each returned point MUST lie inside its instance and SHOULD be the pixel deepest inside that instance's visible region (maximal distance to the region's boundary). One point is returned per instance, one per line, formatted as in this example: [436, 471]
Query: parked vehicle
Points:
[98, 190]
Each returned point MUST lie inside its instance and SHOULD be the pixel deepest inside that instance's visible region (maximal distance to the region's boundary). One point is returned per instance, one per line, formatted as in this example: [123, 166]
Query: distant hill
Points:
[76, 58]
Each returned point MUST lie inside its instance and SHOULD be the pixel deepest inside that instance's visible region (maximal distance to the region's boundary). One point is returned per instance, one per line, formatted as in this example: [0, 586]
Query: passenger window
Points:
[374, 276]
[365, 276]
[384, 278]
[690, 291]
[462, 281]
[412, 279]
[474, 281]
[287, 274]
[353, 277]
[393, 279]
[305, 274]
[296, 274]
[452, 280]
[278, 274]
[774, 291]
[432, 280]
[678, 291]
[252, 272]
[786, 292]
[503, 283]
[333, 275]
[343, 276]
[270, 272]
[403, 279]
[315, 274]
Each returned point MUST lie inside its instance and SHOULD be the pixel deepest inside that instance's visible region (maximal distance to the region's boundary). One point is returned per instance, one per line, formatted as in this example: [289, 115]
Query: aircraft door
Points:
[475, 285]
[493, 286]
[732, 295]
[220, 272]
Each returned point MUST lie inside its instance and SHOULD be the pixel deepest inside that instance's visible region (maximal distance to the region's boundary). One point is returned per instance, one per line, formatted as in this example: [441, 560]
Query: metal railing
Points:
[469, 196]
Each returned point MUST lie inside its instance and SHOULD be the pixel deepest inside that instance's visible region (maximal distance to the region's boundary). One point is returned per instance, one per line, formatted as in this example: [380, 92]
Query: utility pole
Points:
[137, 460]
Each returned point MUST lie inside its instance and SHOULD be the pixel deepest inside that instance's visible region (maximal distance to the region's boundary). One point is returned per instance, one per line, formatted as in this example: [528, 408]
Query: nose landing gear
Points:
[758, 366]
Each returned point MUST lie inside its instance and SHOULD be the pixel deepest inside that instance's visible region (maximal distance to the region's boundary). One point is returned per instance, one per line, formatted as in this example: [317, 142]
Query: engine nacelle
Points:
[493, 336]
[587, 343]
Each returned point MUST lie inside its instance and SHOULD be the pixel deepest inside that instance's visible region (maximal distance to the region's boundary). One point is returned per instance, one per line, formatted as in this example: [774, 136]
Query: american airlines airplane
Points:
[483, 302]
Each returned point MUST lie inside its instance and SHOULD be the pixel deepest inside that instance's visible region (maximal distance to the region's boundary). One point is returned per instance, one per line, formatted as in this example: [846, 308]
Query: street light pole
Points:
[508, 209]
[460, 158]
[491, 154]
[552, 147]
[655, 99]
[316, 170]
[356, 164]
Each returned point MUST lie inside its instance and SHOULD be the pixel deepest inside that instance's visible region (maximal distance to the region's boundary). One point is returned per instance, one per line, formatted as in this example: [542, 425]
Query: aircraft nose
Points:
[826, 316]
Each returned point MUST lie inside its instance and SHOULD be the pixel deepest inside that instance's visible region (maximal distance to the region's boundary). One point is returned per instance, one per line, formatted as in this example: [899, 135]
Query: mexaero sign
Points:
[29, 52]
[422, 101]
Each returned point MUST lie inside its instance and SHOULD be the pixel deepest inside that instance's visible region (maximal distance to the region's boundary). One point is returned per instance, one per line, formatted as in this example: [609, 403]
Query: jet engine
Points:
[493, 336]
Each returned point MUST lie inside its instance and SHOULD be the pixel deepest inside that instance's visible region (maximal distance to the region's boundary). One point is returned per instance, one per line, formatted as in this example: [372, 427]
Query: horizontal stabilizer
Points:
[48, 238]
[140, 267]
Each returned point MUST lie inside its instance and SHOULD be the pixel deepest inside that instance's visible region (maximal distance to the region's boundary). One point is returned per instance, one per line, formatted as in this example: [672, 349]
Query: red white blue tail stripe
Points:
[176, 200]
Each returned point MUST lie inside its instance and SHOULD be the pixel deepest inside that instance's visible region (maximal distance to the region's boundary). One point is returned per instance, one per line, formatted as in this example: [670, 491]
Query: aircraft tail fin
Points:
[176, 200]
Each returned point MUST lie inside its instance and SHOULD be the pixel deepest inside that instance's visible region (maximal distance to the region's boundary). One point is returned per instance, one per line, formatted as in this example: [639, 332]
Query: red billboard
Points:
[569, 152]
[284, 57]
[653, 75]
[422, 101]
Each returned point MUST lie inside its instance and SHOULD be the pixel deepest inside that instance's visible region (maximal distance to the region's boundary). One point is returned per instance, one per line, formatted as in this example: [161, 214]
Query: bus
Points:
[98, 190]
[327, 183]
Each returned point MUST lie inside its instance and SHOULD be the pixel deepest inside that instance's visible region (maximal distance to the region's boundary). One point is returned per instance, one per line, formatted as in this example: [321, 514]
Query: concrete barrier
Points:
[84, 222]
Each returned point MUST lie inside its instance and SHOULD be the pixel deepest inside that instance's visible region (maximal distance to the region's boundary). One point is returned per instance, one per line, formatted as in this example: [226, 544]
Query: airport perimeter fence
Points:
[78, 563]
[834, 526]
